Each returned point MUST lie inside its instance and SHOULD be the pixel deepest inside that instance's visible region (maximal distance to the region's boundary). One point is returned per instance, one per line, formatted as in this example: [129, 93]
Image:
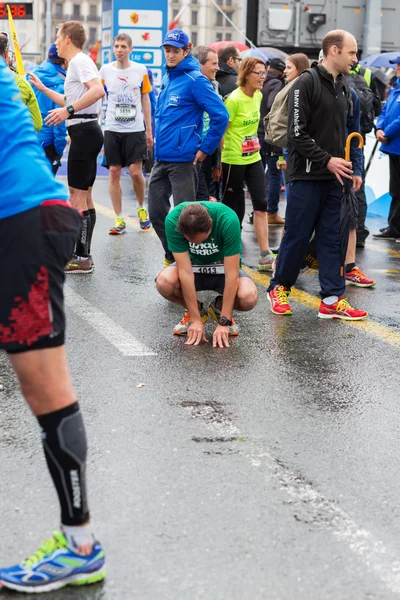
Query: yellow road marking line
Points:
[382, 332]
[377, 248]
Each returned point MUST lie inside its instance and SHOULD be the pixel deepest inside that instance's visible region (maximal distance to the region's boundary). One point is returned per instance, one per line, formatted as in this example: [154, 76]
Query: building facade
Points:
[32, 33]
[204, 23]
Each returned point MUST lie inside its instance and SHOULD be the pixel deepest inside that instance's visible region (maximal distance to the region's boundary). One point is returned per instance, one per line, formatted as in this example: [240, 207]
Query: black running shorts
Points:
[86, 143]
[124, 149]
[35, 247]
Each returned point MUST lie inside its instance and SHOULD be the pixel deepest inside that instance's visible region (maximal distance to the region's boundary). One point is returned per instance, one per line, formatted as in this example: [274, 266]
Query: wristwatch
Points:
[70, 109]
[224, 321]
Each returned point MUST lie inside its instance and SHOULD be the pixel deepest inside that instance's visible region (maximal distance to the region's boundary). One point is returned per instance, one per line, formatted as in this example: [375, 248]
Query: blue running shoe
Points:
[144, 220]
[54, 566]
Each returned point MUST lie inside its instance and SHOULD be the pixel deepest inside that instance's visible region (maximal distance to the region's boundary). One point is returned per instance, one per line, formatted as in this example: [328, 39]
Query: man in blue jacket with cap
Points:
[185, 96]
[53, 139]
[388, 132]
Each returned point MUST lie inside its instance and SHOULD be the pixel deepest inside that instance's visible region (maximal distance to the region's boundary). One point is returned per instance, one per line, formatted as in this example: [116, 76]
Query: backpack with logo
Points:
[276, 121]
[357, 81]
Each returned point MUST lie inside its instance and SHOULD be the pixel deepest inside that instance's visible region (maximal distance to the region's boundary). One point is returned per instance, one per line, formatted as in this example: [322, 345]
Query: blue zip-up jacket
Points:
[389, 121]
[53, 77]
[184, 97]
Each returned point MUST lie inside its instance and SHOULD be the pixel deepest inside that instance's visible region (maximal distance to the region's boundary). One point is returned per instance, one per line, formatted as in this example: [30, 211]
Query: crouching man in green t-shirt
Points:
[205, 239]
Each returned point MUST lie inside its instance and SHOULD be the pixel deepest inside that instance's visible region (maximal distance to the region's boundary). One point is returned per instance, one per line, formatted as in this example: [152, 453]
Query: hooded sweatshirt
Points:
[53, 77]
[184, 98]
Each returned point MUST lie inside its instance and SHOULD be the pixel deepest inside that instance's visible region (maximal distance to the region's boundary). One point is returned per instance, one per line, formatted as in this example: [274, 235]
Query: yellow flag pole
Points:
[17, 51]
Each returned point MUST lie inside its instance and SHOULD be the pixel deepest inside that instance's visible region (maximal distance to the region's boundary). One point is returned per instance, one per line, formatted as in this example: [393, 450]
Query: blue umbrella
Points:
[380, 60]
[266, 53]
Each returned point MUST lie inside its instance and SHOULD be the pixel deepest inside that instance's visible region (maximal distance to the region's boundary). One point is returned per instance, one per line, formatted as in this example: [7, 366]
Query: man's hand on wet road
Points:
[221, 337]
[196, 333]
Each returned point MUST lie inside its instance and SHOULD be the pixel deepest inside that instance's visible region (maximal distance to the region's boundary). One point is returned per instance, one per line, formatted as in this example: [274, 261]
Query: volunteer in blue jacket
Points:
[52, 74]
[184, 97]
[388, 132]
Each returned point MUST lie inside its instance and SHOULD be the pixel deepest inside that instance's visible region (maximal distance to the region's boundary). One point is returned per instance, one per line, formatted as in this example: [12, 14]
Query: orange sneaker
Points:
[182, 327]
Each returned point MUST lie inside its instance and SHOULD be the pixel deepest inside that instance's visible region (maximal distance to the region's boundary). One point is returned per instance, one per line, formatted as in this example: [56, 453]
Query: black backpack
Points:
[366, 97]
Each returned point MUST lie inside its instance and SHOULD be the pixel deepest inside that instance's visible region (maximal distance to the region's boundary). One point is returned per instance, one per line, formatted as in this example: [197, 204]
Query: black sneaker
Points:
[386, 234]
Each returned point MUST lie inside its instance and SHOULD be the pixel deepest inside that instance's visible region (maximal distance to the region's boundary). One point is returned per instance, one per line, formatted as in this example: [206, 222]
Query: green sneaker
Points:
[119, 227]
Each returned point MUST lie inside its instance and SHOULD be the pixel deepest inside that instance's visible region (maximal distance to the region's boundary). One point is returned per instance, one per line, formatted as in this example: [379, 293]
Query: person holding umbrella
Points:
[315, 174]
[388, 133]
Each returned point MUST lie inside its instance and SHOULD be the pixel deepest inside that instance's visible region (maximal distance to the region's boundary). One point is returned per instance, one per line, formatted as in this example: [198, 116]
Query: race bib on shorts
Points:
[250, 145]
[214, 269]
[125, 112]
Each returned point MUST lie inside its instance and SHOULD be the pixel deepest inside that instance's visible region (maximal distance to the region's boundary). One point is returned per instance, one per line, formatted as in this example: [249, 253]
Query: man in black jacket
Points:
[316, 171]
[269, 154]
[229, 62]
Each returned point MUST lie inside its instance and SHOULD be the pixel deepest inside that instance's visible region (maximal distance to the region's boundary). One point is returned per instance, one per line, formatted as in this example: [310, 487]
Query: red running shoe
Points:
[278, 299]
[341, 310]
[356, 277]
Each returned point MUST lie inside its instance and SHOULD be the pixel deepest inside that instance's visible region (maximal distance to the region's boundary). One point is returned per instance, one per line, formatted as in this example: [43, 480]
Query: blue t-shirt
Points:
[26, 179]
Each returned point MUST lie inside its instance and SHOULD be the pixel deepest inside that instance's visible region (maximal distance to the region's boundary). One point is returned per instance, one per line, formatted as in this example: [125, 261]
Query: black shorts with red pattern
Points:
[35, 247]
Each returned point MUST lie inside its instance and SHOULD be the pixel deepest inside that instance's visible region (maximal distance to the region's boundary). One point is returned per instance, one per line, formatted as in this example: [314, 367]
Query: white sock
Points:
[330, 300]
[80, 539]
[121, 215]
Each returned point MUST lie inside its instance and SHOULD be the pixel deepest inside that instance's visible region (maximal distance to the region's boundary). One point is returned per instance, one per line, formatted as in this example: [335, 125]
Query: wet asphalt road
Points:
[268, 470]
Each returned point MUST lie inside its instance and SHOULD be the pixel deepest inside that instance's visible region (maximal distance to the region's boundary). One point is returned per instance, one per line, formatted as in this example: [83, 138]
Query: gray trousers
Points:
[180, 180]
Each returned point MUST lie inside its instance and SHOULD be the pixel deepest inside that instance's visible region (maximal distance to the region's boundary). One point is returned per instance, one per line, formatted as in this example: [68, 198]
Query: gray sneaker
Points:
[215, 314]
[266, 263]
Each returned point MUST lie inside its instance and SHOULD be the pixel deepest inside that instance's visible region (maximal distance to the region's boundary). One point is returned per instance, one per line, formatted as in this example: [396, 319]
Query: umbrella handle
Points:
[348, 142]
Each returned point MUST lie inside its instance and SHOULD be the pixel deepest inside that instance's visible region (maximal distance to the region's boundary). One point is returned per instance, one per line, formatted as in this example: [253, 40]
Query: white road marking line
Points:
[114, 333]
[377, 557]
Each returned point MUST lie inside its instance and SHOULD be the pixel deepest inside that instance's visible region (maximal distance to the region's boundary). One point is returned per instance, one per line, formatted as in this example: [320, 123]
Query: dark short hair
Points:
[227, 52]
[202, 52]
[194, 219]
[124, 37]
[333, 38]
[75, 31]
[4, 41]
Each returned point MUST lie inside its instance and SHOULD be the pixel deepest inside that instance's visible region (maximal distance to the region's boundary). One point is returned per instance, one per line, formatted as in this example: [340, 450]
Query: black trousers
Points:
[394, 191]
[234, 177]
